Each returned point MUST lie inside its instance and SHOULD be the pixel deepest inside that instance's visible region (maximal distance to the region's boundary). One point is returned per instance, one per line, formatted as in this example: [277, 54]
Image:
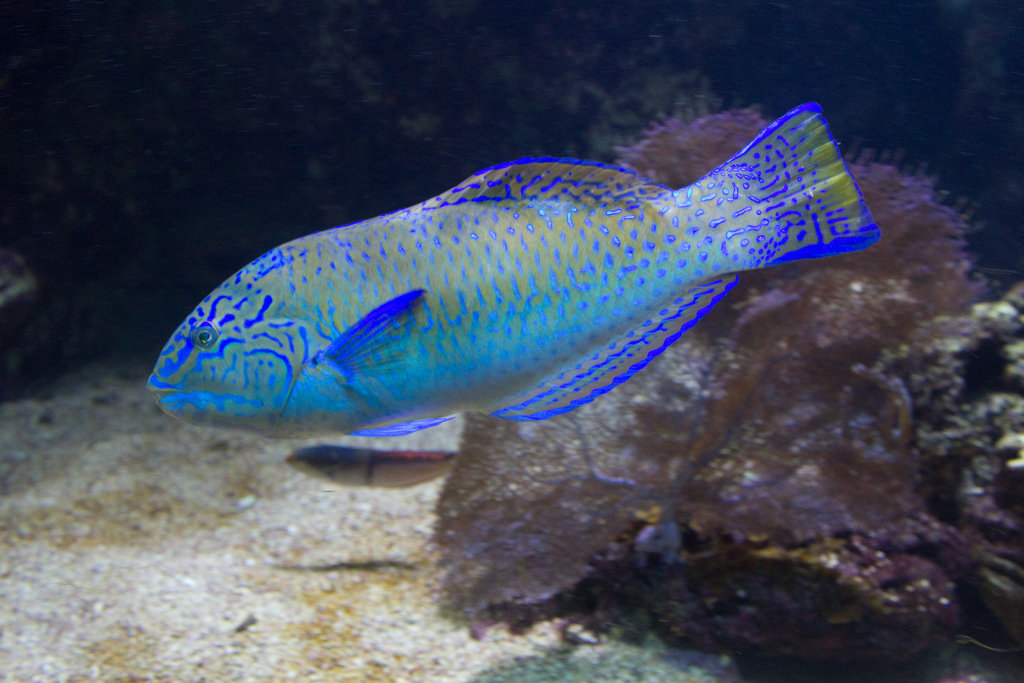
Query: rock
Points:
[966, 381]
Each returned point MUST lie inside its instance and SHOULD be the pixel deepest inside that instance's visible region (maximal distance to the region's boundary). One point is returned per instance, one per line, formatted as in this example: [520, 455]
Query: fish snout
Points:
[215, 407]
[160, 389]
[168, 396]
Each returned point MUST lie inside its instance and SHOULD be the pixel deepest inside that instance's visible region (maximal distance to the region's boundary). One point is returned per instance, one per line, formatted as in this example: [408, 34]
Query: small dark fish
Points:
[367, 467]
[246, 623]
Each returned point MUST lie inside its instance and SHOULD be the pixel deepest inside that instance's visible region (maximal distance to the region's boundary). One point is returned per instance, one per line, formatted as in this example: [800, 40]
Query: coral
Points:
[17, 284]
[834, 599]
[18, 290]
[966, 378]
[765, 450]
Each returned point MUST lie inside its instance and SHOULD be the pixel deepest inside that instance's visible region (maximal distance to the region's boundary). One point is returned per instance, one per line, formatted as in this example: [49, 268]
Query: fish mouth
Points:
[166, 395]
[218, 408]
[160, 388]
[183, 405]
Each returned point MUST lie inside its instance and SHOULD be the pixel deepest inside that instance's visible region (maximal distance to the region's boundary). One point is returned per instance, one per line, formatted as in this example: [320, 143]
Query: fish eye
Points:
[205, 335]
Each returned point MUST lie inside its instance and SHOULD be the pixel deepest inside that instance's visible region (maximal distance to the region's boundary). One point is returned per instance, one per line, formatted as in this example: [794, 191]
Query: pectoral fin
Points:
[364, 348]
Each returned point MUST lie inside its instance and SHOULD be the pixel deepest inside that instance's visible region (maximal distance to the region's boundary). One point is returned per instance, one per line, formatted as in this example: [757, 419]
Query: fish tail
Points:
[787, 195]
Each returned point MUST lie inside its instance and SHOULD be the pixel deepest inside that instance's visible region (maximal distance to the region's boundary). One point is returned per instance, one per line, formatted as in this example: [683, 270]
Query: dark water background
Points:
[149, 149]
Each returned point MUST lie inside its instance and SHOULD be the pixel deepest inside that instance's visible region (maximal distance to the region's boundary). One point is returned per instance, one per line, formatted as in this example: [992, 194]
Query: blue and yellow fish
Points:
[529, 289]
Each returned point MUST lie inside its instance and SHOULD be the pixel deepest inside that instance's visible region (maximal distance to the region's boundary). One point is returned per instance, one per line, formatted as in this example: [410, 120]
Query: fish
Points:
[366, 467]
[529, 289]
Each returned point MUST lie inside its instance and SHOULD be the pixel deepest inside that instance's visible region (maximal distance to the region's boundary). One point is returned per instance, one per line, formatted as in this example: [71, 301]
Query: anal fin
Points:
[402, 428]
[601, 371]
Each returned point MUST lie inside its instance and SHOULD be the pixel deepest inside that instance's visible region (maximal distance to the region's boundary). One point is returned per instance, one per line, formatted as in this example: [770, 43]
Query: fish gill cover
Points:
[761, 473]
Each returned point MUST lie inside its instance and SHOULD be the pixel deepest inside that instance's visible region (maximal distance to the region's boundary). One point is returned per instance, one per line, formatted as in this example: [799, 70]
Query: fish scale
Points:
[528, 289]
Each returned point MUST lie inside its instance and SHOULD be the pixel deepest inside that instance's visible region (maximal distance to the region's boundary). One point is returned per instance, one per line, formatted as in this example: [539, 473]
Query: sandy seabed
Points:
[135, 547]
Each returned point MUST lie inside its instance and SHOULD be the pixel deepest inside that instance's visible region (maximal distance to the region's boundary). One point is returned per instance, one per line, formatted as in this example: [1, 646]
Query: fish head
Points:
[234, 360]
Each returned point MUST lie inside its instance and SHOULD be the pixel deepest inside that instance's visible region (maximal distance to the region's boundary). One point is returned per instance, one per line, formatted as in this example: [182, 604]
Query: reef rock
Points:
[966, 374]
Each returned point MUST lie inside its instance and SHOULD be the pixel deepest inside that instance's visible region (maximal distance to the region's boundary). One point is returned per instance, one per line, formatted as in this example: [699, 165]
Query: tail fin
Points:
[794, 179]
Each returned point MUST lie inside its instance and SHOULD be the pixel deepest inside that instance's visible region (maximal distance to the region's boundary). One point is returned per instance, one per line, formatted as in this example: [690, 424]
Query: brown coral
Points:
[762, 434]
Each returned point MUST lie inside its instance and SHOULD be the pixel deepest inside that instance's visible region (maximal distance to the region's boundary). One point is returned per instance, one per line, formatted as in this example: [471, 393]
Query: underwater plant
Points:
[755, 487]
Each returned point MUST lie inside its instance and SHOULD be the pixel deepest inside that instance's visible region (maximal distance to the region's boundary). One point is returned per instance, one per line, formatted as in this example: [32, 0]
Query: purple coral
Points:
[768, 436]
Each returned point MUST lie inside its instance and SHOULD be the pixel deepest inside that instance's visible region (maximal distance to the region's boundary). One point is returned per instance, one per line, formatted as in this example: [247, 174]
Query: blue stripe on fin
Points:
[600, 372]
[797, 114]
[402, 427]
[363, 345]
[587, 182]
[799, 184]
[842, 245]
[560, 160]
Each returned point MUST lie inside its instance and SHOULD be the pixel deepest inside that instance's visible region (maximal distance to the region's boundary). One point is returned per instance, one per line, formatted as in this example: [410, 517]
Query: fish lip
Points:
[163, 406]
[160, 389]
[161, 392]
[175, 402]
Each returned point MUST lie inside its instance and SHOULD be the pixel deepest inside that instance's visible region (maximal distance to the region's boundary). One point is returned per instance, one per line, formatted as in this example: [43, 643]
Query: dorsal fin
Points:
[600, 372]
[588, 182]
